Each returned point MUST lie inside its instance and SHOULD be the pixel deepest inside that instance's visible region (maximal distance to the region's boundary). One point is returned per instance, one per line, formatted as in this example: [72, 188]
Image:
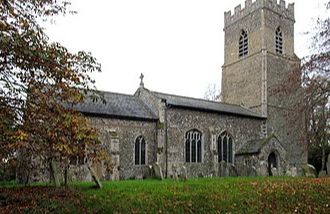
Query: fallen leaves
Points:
[224, 195]
[37, 199]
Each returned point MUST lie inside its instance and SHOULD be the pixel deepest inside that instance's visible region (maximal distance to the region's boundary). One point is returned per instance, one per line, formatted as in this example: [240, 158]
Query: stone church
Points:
[252, 128]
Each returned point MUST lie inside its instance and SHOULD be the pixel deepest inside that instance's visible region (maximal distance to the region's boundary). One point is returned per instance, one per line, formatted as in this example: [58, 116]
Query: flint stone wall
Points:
[180, 121]
[118, 136]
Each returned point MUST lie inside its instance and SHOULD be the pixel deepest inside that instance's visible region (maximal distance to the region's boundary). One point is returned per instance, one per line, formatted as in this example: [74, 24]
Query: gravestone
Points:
[292, 172]
[228, 169]
[252, 171]
[223, 170]
[309, 171]
[175, 172]
[232, 170]
[244, 170]
[212, 174]
[95, 177]
[139, 177]
[115, 174]
[151, 172]
[322, 174]
[184, 173]
[288, 173]
[274, 171]
[328, 165]
[158, 171]
[263, 170]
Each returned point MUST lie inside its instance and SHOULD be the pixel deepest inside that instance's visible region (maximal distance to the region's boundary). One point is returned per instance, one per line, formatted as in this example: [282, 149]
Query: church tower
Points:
[259, 56]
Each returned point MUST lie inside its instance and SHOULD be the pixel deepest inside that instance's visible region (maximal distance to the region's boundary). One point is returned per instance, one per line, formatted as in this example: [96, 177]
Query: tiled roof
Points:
[205, 105]
[254, 146]
[117, 105]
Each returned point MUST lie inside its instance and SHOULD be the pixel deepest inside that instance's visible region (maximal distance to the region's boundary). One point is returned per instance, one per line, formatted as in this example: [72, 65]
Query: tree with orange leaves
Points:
[39, 80]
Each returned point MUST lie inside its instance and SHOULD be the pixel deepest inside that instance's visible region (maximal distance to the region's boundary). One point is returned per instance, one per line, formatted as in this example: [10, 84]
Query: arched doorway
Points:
[272, 163]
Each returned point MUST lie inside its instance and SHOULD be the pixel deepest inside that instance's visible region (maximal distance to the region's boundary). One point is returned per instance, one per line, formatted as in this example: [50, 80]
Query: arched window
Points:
[279, 41]
[193, 146]
[243, 49]
[140, 151]
[225, 147]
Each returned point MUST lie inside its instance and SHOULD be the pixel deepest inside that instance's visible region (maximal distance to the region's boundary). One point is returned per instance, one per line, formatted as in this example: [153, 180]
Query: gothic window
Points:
[225, 147]
[140, 151]
[279, 41]
[243, 49]
[79, 160]
[193, 146]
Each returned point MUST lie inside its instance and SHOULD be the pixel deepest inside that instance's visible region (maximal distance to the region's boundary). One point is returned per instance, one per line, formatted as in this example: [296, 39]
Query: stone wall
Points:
[259, 161]
[241, 83]
[119, 136]
[272, 20]
[285, 113]
[179, 121]
[250, 7]
[254, 79]
[245, 79]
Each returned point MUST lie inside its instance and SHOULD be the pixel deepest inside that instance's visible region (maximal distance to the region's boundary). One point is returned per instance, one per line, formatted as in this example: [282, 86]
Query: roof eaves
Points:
[252, 115]
[115, 116]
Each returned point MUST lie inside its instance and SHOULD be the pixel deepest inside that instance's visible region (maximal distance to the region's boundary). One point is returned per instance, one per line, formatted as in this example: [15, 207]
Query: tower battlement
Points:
[250, 7]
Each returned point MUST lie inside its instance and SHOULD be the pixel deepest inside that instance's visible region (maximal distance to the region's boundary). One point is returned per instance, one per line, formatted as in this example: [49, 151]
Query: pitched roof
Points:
[117, 105]
[205, 105]
[254, 146]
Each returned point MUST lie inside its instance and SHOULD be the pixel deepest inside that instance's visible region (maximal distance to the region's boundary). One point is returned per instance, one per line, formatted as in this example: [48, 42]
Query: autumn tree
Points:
[39, 82]
[316, 82]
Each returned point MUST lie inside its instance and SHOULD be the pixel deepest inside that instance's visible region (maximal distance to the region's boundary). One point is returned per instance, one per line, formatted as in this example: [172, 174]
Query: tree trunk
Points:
[66, 173]
[66, 176]
[323, 134]
[323, 157]
[54, 173]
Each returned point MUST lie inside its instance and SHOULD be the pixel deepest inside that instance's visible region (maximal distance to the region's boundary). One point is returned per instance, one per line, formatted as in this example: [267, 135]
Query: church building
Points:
[252, 129]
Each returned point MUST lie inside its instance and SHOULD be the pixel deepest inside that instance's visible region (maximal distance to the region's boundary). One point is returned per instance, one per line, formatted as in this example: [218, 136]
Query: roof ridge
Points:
[201, 99]
[115, 93]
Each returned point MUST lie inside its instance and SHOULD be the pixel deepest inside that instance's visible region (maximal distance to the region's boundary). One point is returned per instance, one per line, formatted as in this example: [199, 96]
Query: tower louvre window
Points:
[243, 47]
[279, 41]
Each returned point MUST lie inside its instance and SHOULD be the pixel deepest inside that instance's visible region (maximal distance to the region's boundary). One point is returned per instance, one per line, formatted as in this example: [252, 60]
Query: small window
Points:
[193, 146]
[243, 47]
[140, 151]
[279, 41]
[77, 160]
[225, 148]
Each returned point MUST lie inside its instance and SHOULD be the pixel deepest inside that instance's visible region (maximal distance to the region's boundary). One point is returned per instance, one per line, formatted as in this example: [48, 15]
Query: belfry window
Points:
[140, 151]
[225, 147]
[193, 146]
[279, 41]
[243, 47]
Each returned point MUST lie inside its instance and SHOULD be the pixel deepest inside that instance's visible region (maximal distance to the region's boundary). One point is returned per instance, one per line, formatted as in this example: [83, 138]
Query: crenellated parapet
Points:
[278, 7]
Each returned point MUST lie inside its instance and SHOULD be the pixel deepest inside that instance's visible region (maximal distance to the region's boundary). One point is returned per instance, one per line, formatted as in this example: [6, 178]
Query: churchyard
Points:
[200, 195]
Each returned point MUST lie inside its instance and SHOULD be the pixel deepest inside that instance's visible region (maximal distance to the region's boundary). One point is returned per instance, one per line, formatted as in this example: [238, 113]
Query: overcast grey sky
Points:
[176, 44]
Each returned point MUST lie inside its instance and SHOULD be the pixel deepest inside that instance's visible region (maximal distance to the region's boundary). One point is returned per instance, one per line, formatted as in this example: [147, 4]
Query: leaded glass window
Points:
[140, 151]
[225, 147]
[193, 146]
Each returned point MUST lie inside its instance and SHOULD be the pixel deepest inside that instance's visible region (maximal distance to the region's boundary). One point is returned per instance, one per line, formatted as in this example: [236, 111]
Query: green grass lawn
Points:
[208, 195]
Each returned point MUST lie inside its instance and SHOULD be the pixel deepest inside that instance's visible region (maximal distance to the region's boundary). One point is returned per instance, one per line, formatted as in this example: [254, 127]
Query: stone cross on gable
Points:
[141, 82]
